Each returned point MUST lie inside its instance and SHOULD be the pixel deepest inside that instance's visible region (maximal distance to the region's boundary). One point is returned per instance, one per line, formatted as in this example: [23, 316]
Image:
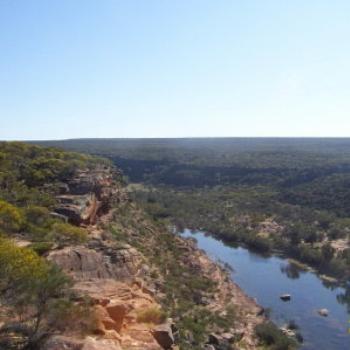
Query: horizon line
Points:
[174, 138]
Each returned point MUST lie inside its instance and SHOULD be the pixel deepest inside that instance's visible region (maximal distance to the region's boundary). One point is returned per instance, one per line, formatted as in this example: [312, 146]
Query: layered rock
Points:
[106, 272]
[109, 275]
[86, 195]
[117, 306]
[105, 261]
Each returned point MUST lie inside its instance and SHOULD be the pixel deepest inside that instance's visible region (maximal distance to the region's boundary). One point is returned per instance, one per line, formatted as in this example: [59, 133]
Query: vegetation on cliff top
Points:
[29, 179]
[35, 296]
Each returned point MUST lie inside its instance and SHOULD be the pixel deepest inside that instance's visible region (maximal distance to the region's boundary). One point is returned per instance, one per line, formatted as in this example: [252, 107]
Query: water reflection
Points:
[291, 270]
[344, 298]
[267, 278]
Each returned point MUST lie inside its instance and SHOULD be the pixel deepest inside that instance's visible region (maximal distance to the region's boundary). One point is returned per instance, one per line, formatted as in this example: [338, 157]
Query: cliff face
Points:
[87, 195]
[116, 270]
[106, 272]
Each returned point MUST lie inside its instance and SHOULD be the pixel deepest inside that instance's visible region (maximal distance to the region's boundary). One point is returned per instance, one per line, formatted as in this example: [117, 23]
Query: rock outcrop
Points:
[117, 306]
[164, 336]
[109, 275]
[88, 194]
[107, 260]
[106, 272]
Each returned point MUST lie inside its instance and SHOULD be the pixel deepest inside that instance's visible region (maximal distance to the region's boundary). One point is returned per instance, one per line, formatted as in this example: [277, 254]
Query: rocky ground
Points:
[122, 283]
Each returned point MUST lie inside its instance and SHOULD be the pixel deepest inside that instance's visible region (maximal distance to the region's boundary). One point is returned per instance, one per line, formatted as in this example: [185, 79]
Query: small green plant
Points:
[272, 337]
[117, 233]
[41, 247]
[64, 232]
[151, 314]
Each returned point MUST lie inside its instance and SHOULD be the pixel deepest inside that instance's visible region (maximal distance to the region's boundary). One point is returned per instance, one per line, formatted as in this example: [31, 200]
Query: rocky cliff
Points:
[87, 195]
[126, 274]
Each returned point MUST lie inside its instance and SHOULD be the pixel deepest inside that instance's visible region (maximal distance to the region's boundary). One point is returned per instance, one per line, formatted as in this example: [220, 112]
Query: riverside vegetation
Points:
[84, 267]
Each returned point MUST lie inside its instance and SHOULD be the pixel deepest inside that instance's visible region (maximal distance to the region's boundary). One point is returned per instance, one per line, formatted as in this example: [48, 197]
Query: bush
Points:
[11, 217]
[67, 233]
[271, 336]
[41, 247]
[35, 215]
[151, 315]
[259, 244]
[29, 287]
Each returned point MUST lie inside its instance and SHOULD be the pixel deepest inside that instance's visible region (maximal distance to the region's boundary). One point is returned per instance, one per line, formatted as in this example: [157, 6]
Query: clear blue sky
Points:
[169, 68]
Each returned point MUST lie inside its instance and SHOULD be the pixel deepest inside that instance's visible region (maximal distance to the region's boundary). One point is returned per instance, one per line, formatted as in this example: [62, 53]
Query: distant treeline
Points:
[314, 172]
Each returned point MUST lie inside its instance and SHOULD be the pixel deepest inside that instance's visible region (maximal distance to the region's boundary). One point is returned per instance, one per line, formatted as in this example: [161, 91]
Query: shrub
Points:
[152, 314]
[41, 247]
[37, 222]
[11, 217]
[29, 286]
[77, 317]
[35, 215]
[64, 232]
[259, 244]
[271, 336]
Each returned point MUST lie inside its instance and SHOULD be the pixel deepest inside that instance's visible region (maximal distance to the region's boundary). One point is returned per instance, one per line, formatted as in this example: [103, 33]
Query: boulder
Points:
[288, 332]
[58, 216]
[112, 334]
[221, 341]
[286, 297]
[105, 261]
[82, 184]
[100, 344]
[81, 261]
[78, 209]
[70, 213]
[117, 312]
[214, 339]
[208, 347]
[323, 312]
[63, 343]
[232, 337]
[103, 321]
[164, 335]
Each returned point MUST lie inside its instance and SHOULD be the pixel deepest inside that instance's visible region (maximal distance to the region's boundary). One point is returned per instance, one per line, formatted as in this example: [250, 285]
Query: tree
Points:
[328, 252]
[29, 289]
[11, 217]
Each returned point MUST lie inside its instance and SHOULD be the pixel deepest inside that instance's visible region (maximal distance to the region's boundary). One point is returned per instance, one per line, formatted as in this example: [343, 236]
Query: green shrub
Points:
[67, 233]
[271, 336]
[35, 215]
[41, 247]
[29, 287]
[151, 315]
[11, 217]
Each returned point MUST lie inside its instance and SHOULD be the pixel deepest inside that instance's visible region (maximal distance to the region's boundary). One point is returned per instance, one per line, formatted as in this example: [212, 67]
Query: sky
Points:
[174, 68]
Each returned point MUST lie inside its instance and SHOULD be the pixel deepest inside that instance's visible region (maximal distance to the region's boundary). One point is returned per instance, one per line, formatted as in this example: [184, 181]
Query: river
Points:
[266, 278]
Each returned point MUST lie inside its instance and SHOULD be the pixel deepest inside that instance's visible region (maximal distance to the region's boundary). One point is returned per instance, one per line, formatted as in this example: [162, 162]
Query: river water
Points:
[266, 278]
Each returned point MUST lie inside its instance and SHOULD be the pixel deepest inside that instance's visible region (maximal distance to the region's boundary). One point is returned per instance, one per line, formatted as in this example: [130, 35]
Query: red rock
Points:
[117, 312]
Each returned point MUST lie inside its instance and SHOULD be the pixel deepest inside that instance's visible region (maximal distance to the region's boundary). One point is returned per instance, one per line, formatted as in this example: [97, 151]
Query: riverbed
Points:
[266, 278]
